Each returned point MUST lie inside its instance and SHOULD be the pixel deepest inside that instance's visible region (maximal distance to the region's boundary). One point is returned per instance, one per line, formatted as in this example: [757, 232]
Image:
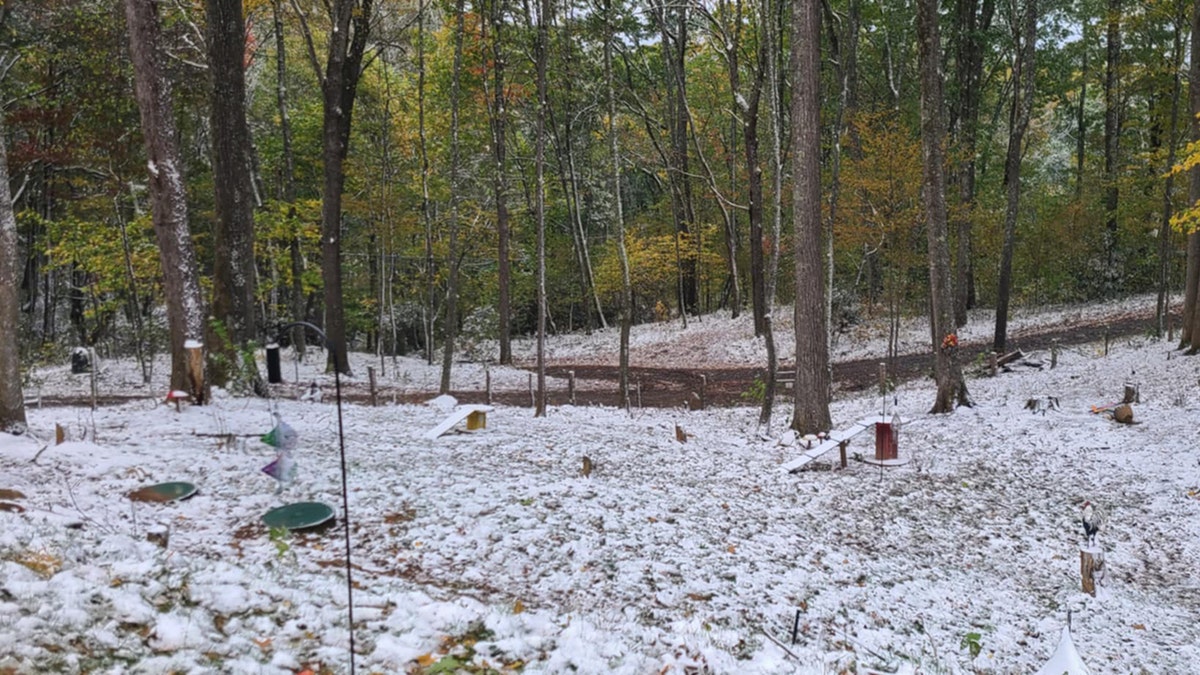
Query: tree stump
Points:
[1131, 394]
[1091, 568]
[195, 352]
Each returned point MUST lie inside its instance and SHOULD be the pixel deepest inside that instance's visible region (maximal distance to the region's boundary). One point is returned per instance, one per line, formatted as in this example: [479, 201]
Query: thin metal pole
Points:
[337, 383]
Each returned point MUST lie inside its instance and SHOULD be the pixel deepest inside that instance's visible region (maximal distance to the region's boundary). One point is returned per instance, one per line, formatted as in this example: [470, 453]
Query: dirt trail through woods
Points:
[723, 385]
[669, 387]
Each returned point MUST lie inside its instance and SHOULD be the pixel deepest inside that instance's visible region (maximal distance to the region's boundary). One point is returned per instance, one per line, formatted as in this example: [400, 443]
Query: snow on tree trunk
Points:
[181, 285]
[12, 403]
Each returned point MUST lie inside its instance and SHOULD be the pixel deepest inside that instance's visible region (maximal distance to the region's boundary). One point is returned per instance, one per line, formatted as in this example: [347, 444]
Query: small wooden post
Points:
[92, 371]
[638, 388]
[1053, 353]
[195, 352]
[532, 398]
[1106, 339]
[1131, 393]
[374, 393]
[842, 451]
[60, 434]
[571, 386]
[1091, 567]
[487, 384]
[703, 392]
[992, 367]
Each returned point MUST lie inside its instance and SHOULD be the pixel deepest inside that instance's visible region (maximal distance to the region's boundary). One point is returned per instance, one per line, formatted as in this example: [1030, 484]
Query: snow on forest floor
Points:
[490, 550]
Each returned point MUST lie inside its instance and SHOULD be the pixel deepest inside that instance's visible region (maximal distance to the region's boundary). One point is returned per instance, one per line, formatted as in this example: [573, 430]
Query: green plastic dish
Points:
[298, 516]
[163, 492]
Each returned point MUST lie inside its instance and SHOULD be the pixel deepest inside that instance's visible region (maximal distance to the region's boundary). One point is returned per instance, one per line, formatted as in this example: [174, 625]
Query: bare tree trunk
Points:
[288, 188]
[1112, 137]
[951, 387]
[1164, 231]
[12, 401]
[811, 409]
[754, 187]
[672, 23]
[449, 333]
[426, 215]
[543, 45]
[618, 211]
[1022, 107]
[1080, 119]
[339, 85]
[771, 29]
[181, 283]
[972, 25]
[500, 185]
[1192, 279]
[233, 236]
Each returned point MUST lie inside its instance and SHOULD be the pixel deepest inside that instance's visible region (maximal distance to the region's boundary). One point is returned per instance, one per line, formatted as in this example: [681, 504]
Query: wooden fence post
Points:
[703, 392]
[487, 384]
[1053, 353]
[571, 386]
[371, 378]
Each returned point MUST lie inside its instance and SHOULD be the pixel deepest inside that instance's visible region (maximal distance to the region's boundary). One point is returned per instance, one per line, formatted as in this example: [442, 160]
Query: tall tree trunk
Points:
[288, 186]
[339, 87]
[1164, 231]
[233, 236]
[618, 211]
[1192, 276]
[732, 49]
[12, 401]
[500, 185]
[181, 283]
[1080, 118]
[543, 45]
[951, 387]
[771, 30]
[811, 409]
[426, 207]
[974, 22]
[1112, 139]
[672, 20]
[450, 331]
[1018, 123]
[754, 187]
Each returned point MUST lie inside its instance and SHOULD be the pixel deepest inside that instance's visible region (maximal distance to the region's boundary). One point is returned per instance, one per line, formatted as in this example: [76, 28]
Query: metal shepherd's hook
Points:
[337, 383]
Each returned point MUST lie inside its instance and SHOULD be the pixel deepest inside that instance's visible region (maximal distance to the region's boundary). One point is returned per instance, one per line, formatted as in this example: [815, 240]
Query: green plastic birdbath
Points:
[163, 492]
[298, 516]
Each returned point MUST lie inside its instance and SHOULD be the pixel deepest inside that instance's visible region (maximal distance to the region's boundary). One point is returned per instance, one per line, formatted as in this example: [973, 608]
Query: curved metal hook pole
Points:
[337, 383]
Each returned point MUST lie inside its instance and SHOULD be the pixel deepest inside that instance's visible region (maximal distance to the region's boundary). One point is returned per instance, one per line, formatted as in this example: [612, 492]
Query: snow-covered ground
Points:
[492, 550]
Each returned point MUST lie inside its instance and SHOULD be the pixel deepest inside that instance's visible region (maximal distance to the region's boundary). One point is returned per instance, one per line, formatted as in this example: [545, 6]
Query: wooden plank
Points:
[836, 438]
